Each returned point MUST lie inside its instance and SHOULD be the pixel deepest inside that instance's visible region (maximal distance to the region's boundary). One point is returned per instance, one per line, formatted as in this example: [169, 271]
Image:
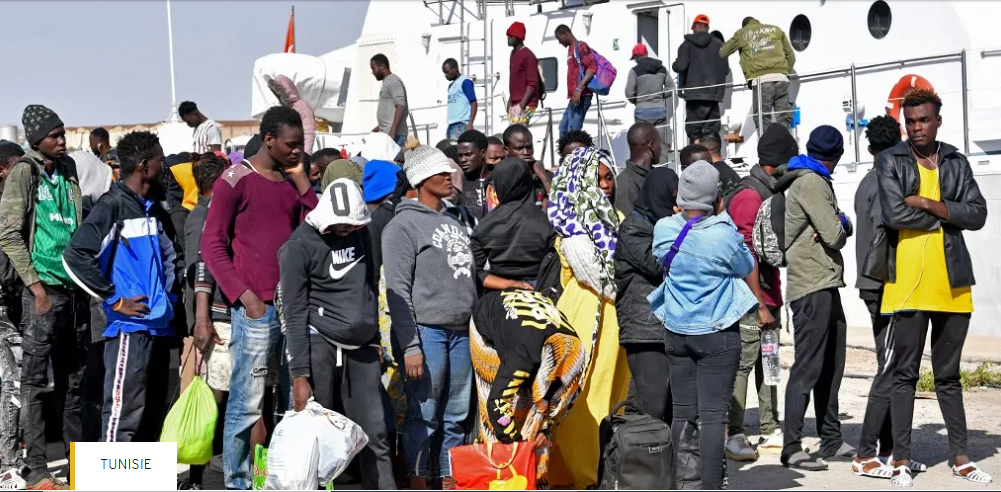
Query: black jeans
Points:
[10, 374]
[93, 375]
[820, 336]
[876, 426]
[352, 384]
[705, 115]
[948, 335]
[135, 387]
[651, 382]
[52, 337]
[703, 369]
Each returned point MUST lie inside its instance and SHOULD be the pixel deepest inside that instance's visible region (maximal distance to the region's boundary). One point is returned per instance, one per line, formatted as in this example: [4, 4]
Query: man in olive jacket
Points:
[815, 232]
[40, 210]
[767, 59]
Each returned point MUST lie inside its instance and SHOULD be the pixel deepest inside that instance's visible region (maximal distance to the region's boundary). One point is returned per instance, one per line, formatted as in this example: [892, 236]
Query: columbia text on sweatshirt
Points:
[144, 260]
[430, 277]
[249, 220]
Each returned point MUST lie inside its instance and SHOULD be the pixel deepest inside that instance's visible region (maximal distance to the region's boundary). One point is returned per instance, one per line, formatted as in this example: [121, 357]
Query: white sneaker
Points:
[772, 441]
[12, 480]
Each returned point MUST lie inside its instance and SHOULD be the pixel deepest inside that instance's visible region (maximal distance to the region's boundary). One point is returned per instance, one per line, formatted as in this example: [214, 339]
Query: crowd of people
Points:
[458, 293]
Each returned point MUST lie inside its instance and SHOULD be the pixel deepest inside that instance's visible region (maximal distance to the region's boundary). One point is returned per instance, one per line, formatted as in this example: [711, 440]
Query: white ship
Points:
[850, 54]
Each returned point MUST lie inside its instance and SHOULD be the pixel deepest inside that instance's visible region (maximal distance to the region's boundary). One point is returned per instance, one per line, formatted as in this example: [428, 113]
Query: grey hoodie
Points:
[430, 276]
[647, 84]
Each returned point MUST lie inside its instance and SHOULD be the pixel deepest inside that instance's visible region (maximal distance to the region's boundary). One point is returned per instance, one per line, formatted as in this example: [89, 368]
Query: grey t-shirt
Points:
[393, 94]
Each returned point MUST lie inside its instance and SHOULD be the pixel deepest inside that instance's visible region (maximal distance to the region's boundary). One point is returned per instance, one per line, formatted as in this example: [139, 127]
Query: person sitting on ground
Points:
[705, 259]
[637, 274]
[514, 238]
[135, 276]
[527, 361]
[326, 267]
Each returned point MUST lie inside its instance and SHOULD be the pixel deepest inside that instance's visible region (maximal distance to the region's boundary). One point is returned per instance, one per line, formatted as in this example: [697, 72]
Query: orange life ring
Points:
[906, 83]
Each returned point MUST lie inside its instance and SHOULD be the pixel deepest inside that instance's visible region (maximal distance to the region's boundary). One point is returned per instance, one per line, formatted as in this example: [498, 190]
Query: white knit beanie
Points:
[421, 162]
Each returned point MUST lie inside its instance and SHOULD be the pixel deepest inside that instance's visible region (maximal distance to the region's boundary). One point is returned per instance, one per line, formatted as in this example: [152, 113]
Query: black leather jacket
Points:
[897, 175]
[637, 274]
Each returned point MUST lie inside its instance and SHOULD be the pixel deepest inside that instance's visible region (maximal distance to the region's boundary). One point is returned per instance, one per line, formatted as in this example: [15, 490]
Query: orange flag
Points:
[290, 35]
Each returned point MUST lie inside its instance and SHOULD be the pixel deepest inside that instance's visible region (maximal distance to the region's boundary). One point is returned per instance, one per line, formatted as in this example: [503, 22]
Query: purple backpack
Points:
[603, 78]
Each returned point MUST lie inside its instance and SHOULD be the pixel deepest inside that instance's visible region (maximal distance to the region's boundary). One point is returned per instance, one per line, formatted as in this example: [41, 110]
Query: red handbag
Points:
[494, 466]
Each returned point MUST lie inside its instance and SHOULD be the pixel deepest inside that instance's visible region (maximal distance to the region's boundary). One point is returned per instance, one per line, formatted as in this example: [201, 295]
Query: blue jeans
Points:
[573, 117]
[440, 398]
[455, 130]
[400, 140]
[253, 343]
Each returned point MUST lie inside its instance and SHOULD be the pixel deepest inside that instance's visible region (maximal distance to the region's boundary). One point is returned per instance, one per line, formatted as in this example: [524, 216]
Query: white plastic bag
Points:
[312, 447]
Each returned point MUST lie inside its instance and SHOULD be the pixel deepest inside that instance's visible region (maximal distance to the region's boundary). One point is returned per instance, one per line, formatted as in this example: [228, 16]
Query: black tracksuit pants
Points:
[948, 335]
[820, 338]
[876, 426]
[351, 383]
[135, 387]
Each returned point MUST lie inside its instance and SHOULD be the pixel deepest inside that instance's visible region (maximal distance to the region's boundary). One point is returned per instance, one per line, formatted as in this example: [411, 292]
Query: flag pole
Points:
[173, 117]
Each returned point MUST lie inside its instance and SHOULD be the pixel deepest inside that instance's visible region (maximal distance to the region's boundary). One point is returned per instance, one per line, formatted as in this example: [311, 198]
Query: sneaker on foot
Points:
[12, 480]
[775, 440]
[738, 448]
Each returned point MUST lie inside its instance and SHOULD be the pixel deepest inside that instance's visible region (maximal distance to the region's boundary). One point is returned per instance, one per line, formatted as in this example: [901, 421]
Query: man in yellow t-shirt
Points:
[928, 197]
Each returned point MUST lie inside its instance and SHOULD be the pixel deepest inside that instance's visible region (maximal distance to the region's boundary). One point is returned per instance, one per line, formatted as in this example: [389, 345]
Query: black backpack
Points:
[636, 451]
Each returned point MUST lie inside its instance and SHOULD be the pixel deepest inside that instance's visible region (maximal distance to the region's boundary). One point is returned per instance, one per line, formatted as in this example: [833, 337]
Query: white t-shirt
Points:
[206, 135]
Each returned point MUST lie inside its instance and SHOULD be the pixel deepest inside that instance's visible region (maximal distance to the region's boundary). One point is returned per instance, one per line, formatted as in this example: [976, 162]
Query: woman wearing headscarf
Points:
[587, 224]
[637, 274]
[513, 238]
[527, 362]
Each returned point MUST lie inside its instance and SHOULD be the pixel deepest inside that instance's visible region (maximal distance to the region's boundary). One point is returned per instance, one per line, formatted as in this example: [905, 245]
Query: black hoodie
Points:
[514, 237]
[699, 64]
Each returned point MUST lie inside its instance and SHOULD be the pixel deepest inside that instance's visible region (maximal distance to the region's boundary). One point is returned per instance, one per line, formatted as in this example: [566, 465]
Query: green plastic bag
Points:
[260, 467]
[191, 423]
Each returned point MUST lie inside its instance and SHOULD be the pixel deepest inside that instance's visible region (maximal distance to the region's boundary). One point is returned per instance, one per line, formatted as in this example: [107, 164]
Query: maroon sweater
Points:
[250, 218]
[524, 74]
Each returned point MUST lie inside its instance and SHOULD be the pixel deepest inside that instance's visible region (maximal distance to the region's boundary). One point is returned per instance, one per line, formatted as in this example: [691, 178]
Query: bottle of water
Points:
[770, 357]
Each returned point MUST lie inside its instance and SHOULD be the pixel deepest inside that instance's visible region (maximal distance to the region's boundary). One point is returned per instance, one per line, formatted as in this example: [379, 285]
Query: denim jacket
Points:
[704, 291]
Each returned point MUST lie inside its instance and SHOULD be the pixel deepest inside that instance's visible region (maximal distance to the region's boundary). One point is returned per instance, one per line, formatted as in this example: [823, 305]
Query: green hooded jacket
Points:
[764, 49]
[17, 209]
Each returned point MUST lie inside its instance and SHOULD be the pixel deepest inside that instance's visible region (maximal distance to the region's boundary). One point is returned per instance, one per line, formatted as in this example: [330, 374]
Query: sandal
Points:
[976, 475]
[902, 477]
[915, 466]
[881, 471]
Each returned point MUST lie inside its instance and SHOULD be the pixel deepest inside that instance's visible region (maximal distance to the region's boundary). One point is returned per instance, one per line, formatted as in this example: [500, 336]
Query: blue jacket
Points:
[704, 291]
[144, 262]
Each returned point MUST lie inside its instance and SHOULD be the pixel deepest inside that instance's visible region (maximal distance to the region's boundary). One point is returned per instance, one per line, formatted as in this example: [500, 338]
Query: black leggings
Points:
[948, 333]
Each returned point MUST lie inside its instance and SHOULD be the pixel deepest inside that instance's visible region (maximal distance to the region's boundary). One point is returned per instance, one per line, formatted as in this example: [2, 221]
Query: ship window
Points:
[800, 32]
[879, 19]
[550, 68]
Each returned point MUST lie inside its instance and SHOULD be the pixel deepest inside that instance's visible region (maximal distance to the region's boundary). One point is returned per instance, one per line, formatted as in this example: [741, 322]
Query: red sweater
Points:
[250, 218]
[743, 210]
[524, 74]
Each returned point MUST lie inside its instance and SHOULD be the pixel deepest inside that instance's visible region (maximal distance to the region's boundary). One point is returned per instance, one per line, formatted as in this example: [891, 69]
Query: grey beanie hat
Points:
[38, 121]
[698, 188]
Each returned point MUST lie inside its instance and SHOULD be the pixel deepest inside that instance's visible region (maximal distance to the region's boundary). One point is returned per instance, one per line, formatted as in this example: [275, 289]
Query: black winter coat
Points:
[898, 178]
[637, 274]
[698, 65]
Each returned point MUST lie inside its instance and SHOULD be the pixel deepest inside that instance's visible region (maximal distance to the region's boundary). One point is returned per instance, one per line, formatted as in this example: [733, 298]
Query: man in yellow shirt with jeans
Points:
[928, 197]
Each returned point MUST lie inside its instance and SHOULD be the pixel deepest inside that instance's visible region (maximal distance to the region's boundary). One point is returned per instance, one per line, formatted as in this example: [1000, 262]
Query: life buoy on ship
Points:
[894, 103]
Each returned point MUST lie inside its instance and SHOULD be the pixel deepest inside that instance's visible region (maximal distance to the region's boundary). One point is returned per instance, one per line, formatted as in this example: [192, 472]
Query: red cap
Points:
[701, 19]
[639, 50]
[517, 30]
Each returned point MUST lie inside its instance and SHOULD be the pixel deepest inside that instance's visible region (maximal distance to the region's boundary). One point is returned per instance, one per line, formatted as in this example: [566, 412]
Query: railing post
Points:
[552, 142]
[966, 105]
[855, 125]
[757, 89]
[674, 128]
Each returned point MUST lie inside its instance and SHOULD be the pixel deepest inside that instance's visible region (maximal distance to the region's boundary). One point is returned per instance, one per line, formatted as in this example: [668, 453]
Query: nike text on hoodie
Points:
[430, 276]
[328, 284]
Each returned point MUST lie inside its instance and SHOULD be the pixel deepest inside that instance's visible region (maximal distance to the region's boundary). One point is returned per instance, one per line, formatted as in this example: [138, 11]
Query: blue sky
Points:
[106, 62]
